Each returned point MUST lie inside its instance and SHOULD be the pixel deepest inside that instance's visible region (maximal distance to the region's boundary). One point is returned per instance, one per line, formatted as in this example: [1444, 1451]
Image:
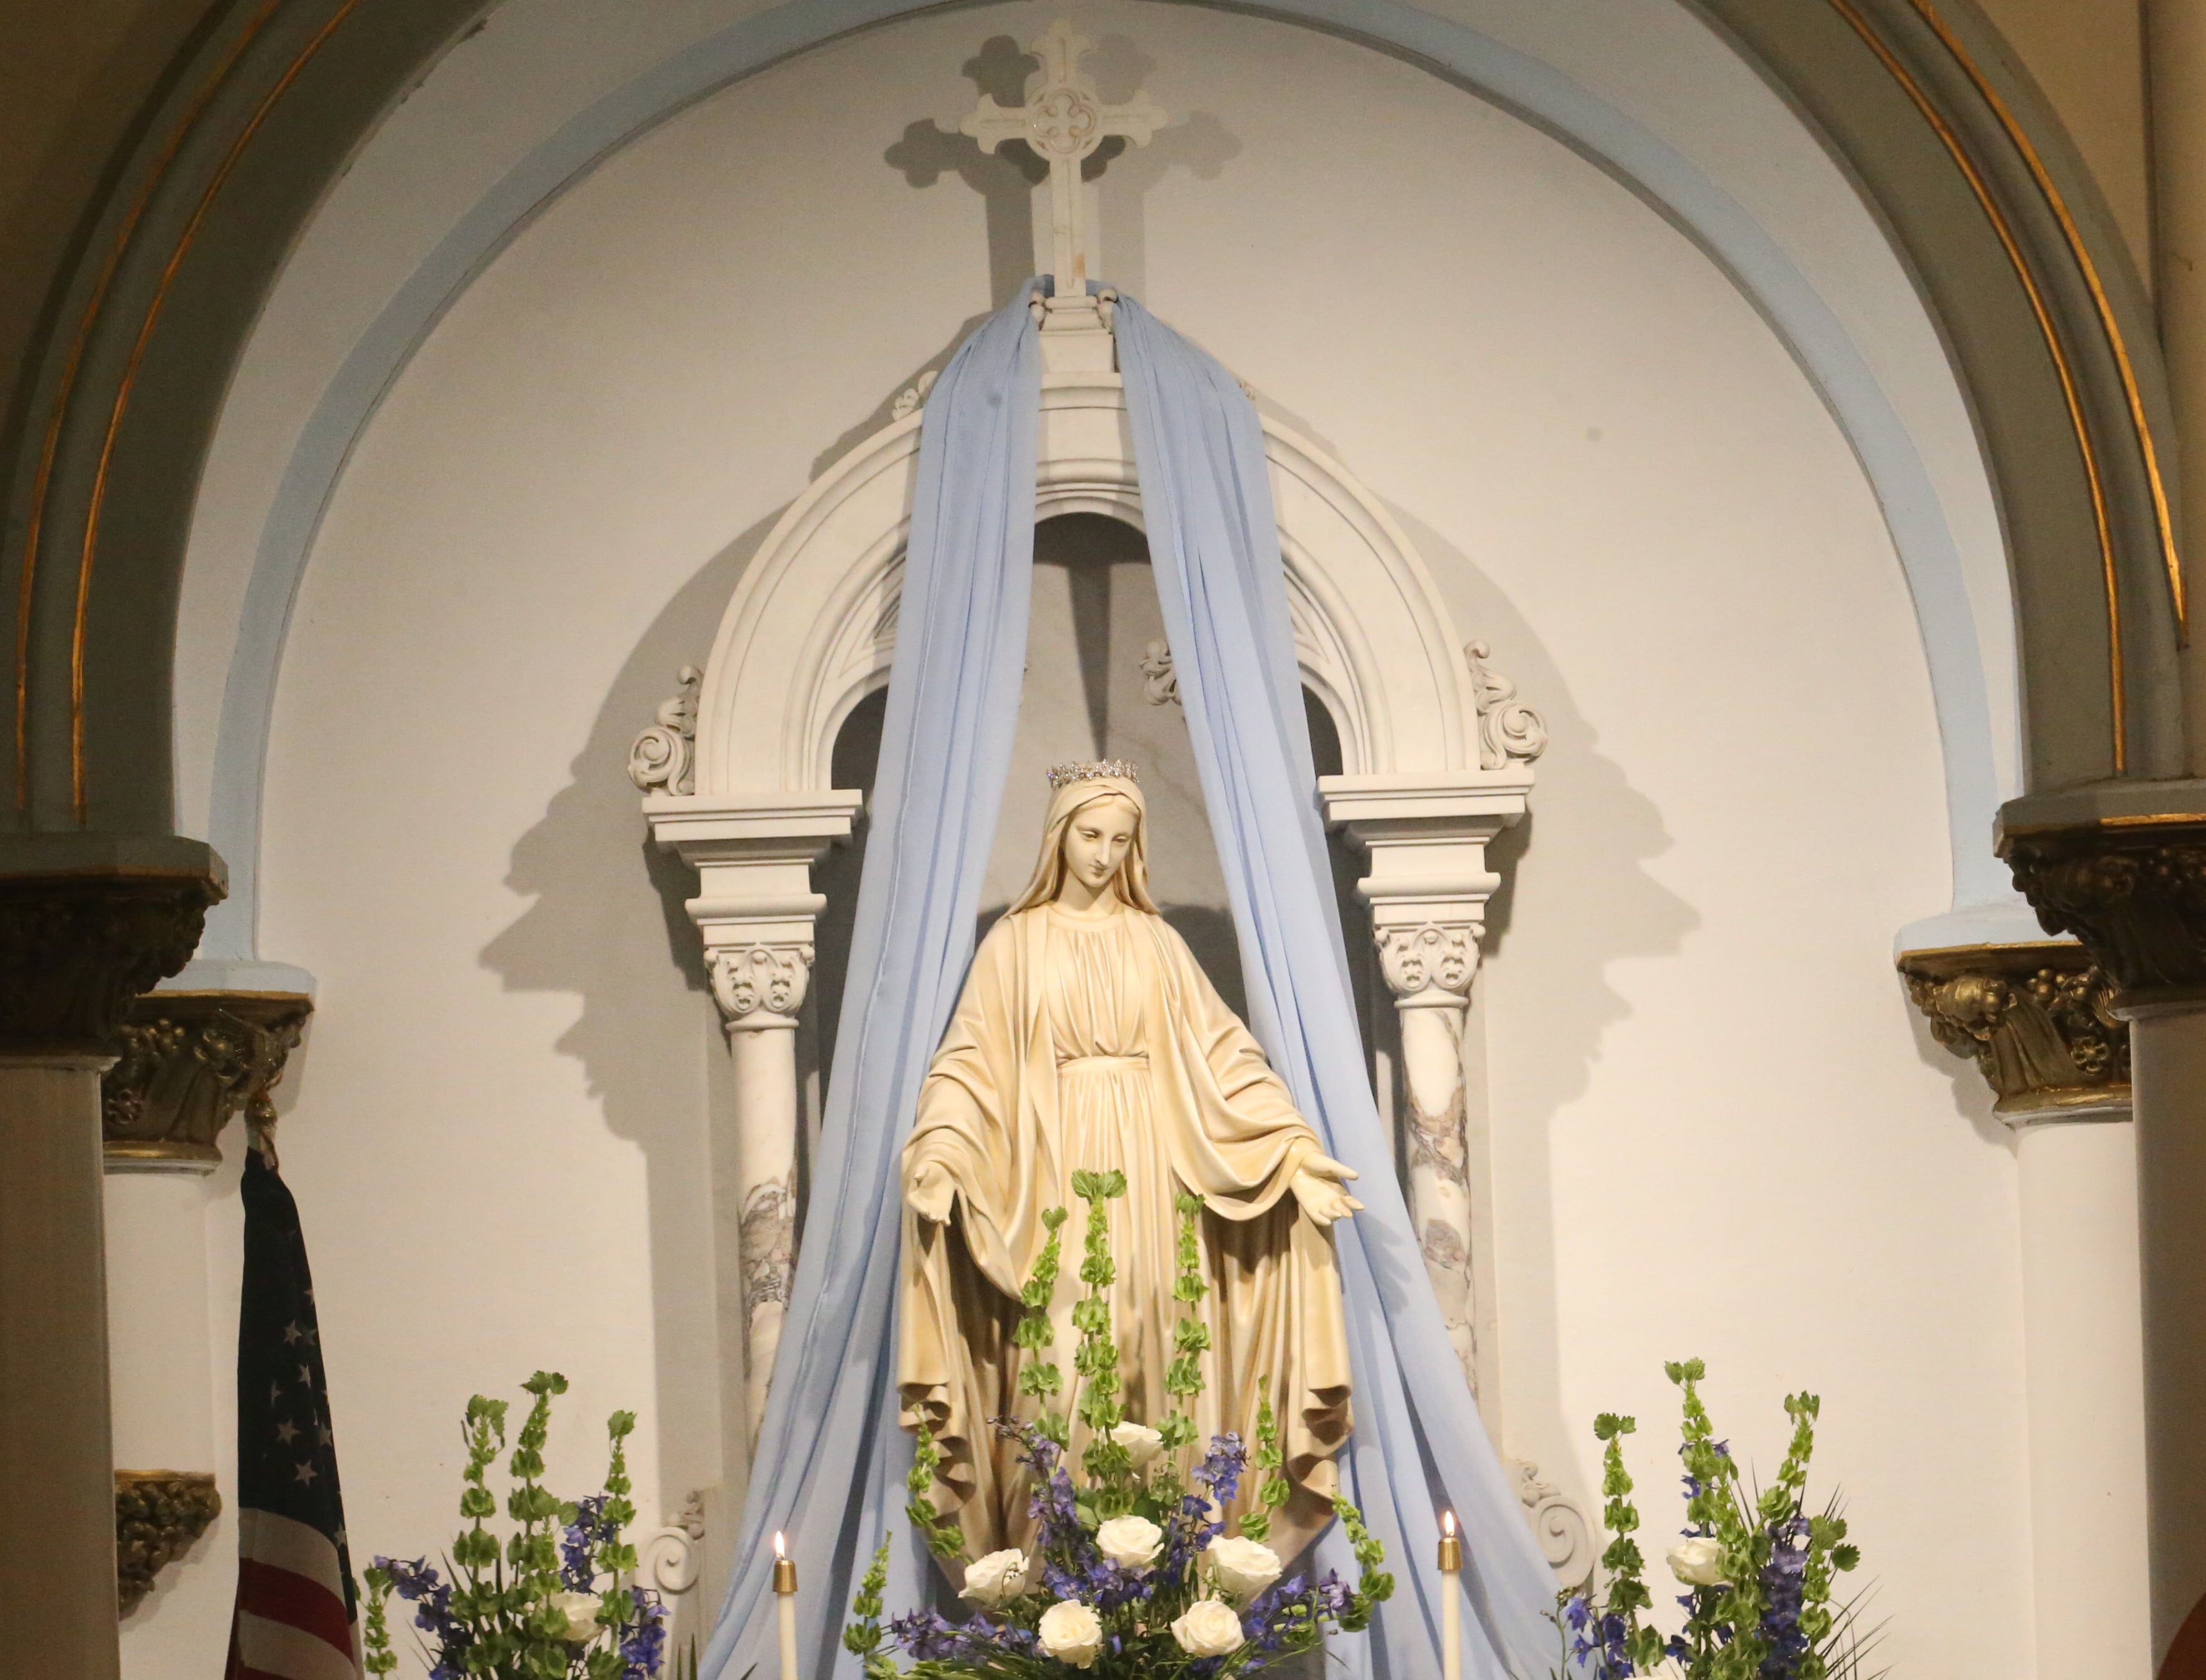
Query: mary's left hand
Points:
[1318, 1188]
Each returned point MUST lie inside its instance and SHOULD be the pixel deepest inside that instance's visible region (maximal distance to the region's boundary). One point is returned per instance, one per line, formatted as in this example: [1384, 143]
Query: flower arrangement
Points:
[1131, 1571]
[553, 1600]
[1758, 1566]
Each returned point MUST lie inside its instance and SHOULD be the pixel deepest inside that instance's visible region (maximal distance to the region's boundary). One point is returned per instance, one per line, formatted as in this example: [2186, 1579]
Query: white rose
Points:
[996, 1579]
[1697, 1561]
[1209, 1628]
[1142, 1444]
[1130, 1542]
[1241, 1568]
[580, 1610]
[1071, 1632]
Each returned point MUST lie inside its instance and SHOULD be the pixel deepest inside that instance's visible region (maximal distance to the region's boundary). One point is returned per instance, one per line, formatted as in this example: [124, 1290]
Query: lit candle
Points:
[784, 1593]
[1451, 1600]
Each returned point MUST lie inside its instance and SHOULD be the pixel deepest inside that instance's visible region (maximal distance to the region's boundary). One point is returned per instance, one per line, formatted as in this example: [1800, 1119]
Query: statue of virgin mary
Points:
[1088, 1039]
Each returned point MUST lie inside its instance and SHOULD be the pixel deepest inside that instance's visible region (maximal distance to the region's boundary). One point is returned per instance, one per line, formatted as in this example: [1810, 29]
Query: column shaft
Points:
[763, 1050]
[1437, 1153]
[2168, 1054]
[57, 1616]
[2084, 1366]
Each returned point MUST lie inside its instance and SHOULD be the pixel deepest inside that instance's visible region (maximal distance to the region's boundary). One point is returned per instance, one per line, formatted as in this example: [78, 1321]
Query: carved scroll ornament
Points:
[664, 758]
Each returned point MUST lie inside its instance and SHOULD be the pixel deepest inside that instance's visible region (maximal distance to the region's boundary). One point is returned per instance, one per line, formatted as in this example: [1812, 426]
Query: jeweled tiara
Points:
[1061, 774]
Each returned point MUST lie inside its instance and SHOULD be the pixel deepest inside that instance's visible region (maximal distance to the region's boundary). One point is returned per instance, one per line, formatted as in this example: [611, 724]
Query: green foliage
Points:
[503, 1620]
[1191, 1335]
[944, 1538]
[1042, 1379]
[862, 1638]
[1374, 1586]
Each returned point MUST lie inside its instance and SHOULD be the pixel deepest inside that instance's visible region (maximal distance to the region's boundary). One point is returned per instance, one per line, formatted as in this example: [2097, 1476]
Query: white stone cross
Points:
[1063, 120]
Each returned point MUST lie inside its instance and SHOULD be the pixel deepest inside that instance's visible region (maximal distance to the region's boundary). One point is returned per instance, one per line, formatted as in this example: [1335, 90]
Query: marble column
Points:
[2038, 1019]
[189, 1062]
[755, 911]
[760, 988]
[2123, 867]
[1429, 885]
[76, 944]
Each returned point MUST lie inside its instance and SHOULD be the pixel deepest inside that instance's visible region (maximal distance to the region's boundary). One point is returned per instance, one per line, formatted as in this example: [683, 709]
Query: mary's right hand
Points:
[930, 1192]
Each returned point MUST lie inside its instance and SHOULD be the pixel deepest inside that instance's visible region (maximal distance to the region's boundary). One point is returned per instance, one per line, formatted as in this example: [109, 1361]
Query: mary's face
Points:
[1096, 841]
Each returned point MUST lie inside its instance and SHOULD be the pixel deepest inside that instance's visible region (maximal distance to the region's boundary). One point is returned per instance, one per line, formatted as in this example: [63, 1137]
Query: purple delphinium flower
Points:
[645, 1647]
[1057, 1522]
[576, 1569]
[417, 1582]
[1784, 1581]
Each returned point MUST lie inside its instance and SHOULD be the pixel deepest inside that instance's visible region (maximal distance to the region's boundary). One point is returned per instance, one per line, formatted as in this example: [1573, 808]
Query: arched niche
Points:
[738, 778]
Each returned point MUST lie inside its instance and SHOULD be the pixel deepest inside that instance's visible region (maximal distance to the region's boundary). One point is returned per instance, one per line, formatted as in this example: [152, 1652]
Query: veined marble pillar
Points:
[76, 944]
[2038, 1019]
[188, 1061]
[2123, 867]
[1427, 888]
[755, 911]
[760, 988]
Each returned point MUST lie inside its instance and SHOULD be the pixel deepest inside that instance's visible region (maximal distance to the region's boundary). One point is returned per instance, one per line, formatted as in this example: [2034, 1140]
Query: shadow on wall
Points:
[606, 926]
[1617, 911]
[1006, 178]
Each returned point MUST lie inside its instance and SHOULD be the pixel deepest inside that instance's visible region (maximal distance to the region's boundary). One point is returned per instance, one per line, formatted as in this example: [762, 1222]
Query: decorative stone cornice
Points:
[2131, 885]
[77, 945]
[187, 1063]
[158, 1515]
[2038, 1021]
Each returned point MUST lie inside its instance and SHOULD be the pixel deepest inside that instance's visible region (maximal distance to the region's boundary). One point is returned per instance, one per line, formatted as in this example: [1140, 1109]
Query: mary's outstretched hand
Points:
[1319, 1188]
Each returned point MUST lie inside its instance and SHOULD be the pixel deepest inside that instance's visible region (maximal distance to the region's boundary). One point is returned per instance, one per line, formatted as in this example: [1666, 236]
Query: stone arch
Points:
[1372, 637]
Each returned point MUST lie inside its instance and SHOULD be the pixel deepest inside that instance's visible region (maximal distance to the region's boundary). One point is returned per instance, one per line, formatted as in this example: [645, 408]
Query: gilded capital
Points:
[77, 947]
[187, 1062]
[158, 1516]
[2038, 1019]
[2133, 889]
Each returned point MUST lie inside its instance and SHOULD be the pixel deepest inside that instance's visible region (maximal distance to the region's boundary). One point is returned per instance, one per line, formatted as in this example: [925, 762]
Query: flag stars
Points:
[304, 1473]
[292, 1333]
[306, 1376]
[286, 1431]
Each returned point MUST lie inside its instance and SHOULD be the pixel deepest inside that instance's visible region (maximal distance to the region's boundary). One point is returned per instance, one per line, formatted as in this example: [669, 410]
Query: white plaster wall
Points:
[1718, 1131]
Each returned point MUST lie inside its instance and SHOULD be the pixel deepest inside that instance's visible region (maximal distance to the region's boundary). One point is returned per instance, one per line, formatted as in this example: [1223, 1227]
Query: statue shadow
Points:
[607, 927]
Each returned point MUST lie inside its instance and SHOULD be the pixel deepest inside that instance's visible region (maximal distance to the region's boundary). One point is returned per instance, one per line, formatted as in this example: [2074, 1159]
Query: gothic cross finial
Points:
[1063, 120]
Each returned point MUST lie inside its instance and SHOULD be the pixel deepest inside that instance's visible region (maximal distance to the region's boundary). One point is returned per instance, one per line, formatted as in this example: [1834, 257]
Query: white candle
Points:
[1451, 1600]
[784, 1593]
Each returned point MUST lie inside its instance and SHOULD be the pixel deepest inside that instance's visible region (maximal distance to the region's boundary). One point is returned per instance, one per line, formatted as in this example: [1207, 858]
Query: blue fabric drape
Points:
[1418, 1444]
[831, 1461]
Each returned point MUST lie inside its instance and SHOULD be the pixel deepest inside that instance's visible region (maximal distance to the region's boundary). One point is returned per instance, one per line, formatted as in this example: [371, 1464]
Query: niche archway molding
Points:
[1436, 753]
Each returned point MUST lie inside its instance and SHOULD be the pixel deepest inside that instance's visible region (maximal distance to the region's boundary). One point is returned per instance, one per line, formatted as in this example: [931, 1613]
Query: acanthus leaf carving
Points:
[664, 758]
[761, 985]
[2038, 1020]
[188, 1061]
[1565, 1537]
[1509, 730]
[674, 1556]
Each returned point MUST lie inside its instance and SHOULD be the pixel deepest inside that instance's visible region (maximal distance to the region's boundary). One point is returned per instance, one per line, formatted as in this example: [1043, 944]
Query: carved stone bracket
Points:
[77, 947]
[189, 1062]
[664, 758]
[2132, 890]
[1509, 730]
[158, 1516]
[2038, 1019]
[1564, 1536]
[761, 987]
[674, 1556]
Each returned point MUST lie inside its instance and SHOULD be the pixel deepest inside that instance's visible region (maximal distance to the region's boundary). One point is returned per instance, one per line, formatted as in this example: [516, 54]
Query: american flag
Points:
[297, 1617]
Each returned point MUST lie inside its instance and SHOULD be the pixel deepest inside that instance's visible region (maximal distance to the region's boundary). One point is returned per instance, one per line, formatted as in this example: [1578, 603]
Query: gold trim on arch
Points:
[67, 385]
[2169, 556]
[129, 376]
[2086, 447]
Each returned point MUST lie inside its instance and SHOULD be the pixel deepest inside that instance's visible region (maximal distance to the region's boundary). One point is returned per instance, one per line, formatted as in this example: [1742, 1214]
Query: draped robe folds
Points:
[1087, 1042]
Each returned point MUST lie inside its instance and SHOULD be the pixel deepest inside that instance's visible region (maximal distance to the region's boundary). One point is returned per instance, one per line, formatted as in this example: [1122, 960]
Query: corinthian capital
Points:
[187, 1063]
[2037, 1019]
[1432, 964]
[761, 987]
